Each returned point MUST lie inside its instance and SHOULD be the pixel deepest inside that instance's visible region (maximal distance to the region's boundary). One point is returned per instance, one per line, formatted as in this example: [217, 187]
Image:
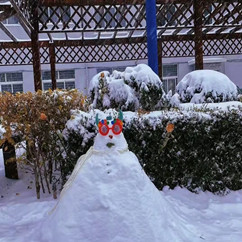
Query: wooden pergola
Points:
[116, 30]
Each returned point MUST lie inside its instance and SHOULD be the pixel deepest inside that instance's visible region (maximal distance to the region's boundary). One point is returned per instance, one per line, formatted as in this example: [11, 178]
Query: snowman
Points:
[109, 198]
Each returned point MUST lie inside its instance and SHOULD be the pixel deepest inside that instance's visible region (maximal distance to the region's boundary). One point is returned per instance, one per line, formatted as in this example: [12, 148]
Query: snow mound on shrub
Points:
[136, 87]
[141, 74]
[202, 86]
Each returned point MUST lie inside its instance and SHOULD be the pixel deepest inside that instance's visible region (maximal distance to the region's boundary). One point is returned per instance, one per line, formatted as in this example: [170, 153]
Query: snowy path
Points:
[214, 218]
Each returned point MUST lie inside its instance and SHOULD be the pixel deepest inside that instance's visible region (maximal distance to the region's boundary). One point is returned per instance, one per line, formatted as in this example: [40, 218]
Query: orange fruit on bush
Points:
[43, 116]
[170, 127]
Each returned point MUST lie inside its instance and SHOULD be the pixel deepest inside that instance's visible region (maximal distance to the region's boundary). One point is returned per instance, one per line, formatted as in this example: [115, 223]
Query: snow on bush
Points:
[135, 88]
[204, 152]
[206, 86]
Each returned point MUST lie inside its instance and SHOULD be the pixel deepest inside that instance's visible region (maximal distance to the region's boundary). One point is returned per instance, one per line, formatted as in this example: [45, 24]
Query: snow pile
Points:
[110, 198]
[203, 86]
[136, 87]
[212, 218]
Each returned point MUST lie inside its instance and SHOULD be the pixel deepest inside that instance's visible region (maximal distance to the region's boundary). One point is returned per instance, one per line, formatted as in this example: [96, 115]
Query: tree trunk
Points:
[10, 162]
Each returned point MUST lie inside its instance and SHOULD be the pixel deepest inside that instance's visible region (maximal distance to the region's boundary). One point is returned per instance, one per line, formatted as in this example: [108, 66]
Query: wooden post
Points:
[10, 162]
[198, 24]
[52, 65]
[36, 46]
[160, 69]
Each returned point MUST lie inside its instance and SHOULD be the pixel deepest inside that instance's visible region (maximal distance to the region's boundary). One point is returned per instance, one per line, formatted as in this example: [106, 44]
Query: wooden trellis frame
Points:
[115, 30]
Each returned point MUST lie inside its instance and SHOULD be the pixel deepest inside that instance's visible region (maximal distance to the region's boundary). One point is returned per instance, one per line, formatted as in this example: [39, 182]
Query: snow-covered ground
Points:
[215, 218]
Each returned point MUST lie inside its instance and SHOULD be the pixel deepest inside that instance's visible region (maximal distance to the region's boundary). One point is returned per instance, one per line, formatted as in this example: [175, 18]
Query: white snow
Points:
[110, 198]
[142, 74]
[209, 60]
[224, 106]
[154, 118]
[200, 82]
[119, 85]
[213, 218]
[117, 89]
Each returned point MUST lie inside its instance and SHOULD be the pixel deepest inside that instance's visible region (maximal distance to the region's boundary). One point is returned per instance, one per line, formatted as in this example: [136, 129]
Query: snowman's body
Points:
[109, 198]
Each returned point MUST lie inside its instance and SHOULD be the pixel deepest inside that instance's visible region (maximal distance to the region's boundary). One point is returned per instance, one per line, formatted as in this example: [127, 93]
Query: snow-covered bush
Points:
[204, 152]
[135, 88]
[206, 86]
[240, 97]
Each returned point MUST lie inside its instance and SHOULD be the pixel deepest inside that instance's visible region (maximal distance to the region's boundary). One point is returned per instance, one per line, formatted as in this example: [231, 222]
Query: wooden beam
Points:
[36, 47]
[5, 7]
[27, 44]
[7, 32]
[98, 41]
[198, 39]
[49, 3]
[36, 61]
[160, 69]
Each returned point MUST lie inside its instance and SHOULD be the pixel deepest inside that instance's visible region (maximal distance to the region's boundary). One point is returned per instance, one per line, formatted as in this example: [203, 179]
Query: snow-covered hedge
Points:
[205, 86]
[204, 152]
[135, 88]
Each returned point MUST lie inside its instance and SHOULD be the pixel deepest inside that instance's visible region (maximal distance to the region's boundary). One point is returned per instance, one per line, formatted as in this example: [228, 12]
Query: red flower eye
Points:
[117, 128]
[103, 129]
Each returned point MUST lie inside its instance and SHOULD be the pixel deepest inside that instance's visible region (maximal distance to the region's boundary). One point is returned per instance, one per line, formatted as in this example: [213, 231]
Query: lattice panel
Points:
[178, 48]
[15, 56]
[222, 47]
[92, 18]
[44, 55]
[223, 13]
[171, 15]
[22, 56]
[100, 53]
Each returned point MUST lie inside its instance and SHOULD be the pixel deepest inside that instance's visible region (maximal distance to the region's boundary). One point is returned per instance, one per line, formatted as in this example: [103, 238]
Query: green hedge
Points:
[204, 152]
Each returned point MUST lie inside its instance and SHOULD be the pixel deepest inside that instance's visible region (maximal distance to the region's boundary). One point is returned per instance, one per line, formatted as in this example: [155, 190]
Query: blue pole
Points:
[151, 29]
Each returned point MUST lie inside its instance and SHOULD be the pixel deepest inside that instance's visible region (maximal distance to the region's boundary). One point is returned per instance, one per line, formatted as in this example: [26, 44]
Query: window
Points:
[56, 15]
[214, 66]
[207, 13]
[64, 79]
[109, 18]
[111, 69]
[166, 15]
[170, 77]
[11, 82]
[11, 20]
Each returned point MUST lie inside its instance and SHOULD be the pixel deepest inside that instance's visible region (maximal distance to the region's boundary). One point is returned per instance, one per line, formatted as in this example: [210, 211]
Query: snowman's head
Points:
[110, 134]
